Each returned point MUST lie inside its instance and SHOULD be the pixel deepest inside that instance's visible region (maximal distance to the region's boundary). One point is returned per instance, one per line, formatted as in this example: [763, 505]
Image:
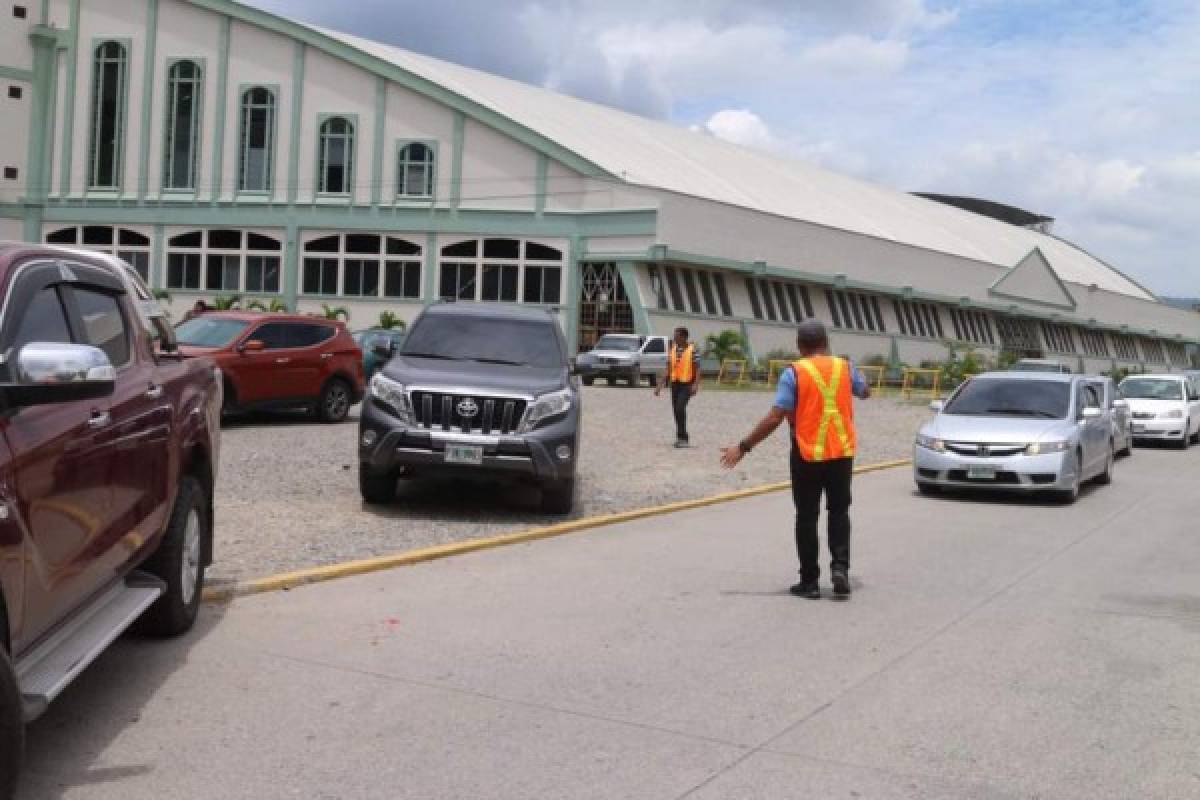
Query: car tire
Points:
[179, 563]
[928, 489]
[608, 381]
[1069, 496]
[376, 489]
[228, 398]
[335, 401]
[635, 378]
[653, 379]
[558, 497]
[1196, 436]
[588, 381]
[1186, 439]
[12, 728]
[1105, 478]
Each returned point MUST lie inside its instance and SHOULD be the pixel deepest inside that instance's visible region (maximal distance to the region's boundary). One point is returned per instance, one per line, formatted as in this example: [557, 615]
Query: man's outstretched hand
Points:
[730, 456]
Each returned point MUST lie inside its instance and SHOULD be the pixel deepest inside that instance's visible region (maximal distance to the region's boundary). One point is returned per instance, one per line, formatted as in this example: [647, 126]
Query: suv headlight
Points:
[545, 407]
[392, 395]
[1042, 448]
[931, 443]
[1176, 414]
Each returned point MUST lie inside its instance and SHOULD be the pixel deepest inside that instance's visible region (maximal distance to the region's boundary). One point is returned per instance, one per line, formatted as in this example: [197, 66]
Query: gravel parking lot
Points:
[287, 496]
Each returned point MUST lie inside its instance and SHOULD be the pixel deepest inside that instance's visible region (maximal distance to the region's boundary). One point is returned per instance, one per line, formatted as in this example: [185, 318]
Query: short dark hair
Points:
[682, 330]
[811, 334]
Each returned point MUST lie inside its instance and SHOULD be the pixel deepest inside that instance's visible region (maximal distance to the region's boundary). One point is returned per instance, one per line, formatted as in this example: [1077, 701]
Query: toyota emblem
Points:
[467, 408]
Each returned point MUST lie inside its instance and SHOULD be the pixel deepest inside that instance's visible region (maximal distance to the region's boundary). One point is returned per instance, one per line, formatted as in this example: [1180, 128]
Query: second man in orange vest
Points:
[683, 379]
[814, 395]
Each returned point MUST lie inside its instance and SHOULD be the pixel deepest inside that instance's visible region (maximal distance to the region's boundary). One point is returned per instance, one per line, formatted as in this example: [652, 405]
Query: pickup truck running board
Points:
[46, 670]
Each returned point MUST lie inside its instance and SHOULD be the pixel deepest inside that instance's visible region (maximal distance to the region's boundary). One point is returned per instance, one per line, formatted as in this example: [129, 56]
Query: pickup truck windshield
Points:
[1152, 389]
[201, 332]
[500, 341]
[994, 397]
[617, 343]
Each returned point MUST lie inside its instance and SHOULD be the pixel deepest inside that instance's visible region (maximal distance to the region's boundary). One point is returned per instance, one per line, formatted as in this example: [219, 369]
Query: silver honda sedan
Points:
[1017, 431]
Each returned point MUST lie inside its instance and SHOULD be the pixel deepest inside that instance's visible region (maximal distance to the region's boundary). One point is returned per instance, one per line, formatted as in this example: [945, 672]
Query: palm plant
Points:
[726, 344]
[388, 321]
[227, 302]
[277, 306]
[161, 295]
[335, 313]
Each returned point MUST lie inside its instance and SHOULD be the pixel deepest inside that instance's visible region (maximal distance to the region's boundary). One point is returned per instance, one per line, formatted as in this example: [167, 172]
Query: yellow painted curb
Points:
[290, 580]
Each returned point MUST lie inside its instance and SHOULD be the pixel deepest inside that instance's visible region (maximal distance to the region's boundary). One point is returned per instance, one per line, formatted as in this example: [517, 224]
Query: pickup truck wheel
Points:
[335, 401]
[376, 489]
[179, 563]
[558, 497]
[12, 728]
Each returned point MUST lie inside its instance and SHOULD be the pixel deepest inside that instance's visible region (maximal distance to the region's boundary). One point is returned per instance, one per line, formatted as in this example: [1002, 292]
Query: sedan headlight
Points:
[392, 395]
[1042, 448]
[1176, 414]
[545, 407]
[931, 443]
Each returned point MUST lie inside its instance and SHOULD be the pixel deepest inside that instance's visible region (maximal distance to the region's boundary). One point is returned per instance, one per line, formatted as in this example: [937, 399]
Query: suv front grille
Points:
[445, 411]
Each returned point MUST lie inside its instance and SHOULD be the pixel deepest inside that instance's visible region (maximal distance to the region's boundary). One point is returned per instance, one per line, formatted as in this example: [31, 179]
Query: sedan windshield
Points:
[1152, 389]
[517, 342]
[994, 397]
[201, 332]
[617, 343]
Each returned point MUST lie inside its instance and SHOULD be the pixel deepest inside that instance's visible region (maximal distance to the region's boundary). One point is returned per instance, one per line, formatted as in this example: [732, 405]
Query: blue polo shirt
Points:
[785, 394]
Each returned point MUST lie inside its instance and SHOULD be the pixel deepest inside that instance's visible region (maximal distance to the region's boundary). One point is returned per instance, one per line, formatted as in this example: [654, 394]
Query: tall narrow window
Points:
[109, 84]
[336, 167]
[414, 171]
[184, 90]
[257, 141]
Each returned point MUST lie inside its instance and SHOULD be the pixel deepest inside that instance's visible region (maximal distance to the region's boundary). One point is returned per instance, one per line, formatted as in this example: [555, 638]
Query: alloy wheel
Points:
[190, 563]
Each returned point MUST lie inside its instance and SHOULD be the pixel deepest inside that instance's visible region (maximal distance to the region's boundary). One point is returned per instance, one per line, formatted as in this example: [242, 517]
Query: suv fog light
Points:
[563, 452]
[369, 438]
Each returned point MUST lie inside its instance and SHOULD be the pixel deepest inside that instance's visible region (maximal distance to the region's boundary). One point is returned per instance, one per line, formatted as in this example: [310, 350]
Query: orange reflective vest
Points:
[682, 364]
[824, 408]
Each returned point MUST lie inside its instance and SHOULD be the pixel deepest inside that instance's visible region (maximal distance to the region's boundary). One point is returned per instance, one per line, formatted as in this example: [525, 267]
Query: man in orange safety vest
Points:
[814, 395]
[683, 380]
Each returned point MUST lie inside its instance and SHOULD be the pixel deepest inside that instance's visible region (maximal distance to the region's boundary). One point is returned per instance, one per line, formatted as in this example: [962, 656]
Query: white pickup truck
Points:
[625, 357]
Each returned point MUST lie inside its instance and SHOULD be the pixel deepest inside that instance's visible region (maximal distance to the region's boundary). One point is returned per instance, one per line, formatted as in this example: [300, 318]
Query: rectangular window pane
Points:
[533, 285]
[552, 285]
[781, 302]
[499, 283]
[673, 287]
[833, 309]
[797, 311]
[689, 285]
[722, 294]
[706, 291]
[768, 301]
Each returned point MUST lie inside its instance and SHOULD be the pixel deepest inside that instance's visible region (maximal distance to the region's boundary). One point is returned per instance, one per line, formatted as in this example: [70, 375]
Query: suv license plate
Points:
[981, 473]
[464, 454]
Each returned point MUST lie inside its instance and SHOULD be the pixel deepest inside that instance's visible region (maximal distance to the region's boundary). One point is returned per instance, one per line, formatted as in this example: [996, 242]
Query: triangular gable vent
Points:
[1033, 280]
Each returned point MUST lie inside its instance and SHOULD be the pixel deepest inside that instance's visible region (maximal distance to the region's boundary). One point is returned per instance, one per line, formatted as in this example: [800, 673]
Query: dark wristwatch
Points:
[745, 448]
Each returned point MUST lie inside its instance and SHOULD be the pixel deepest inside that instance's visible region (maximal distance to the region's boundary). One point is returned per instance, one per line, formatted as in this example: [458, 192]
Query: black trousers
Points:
[681, 393]
[811, 479]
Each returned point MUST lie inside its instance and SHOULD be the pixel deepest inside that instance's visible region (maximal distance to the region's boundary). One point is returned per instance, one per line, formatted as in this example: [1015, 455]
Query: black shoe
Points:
[841, 582]
[810, 590]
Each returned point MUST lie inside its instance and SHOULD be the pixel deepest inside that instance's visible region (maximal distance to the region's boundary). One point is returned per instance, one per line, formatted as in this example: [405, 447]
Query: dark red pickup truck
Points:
[109, 446]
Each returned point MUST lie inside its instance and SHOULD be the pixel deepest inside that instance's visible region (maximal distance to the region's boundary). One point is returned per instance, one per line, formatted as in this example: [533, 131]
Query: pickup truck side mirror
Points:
[936, 406]
[54, 372]
[254, 346]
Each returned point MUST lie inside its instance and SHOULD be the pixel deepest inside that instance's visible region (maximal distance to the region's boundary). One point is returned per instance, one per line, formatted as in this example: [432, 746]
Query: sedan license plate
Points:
[464, 454]
[981, 473]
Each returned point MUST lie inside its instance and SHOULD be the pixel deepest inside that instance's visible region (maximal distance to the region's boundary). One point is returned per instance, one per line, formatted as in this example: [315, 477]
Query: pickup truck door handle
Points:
[326, 356]
[99, 419]
[282, 360]
[154, 392]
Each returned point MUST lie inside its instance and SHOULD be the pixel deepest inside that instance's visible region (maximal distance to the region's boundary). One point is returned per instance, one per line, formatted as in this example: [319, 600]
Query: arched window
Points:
[362, 265]
[336, 156]
[257, 161]
[224, 261]
[110, 70]
[132, 247]
[185, 88]
[414, 171]
[509, 271]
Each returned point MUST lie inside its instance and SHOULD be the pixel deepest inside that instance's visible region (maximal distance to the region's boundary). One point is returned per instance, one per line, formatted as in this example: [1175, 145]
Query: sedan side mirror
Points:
[937, 405]
[54, 372]
[254, 346]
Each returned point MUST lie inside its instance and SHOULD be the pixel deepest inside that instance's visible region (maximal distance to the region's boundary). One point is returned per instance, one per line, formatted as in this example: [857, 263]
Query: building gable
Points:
[1033, 280]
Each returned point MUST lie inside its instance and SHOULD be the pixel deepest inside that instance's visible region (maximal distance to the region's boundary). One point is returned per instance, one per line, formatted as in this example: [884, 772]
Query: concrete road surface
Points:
[992, 649]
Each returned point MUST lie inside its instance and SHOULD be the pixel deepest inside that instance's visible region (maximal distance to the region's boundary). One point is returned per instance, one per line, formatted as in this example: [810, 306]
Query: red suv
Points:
[279, 360]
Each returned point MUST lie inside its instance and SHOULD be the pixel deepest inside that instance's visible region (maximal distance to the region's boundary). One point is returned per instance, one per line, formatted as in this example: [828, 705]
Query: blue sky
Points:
[1087, 111]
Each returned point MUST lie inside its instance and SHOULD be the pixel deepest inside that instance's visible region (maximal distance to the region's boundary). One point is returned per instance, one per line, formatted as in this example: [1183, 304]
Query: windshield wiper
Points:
[1024, 412]
[500, 361]
[432, 355]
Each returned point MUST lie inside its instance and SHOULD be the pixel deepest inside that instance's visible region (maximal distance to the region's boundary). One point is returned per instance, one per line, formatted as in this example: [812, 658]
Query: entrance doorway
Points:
[604, 305]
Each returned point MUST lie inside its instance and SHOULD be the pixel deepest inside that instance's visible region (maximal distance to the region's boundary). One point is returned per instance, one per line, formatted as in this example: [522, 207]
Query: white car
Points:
[1164, 408]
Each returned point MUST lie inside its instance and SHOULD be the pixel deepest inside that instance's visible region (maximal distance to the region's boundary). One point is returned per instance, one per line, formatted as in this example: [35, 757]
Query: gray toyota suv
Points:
[474, 389]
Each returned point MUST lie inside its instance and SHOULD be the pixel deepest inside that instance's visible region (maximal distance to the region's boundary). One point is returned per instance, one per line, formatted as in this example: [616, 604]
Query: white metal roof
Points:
[659, 155]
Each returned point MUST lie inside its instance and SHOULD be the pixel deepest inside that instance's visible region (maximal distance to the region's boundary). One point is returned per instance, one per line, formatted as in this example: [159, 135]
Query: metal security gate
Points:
[604, 306]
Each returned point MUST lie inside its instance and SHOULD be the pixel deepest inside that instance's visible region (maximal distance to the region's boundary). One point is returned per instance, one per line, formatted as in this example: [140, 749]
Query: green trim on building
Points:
[51, 123]
[543, 168]
[158, 278]
[291, 264]
[575, 247]
[409, 80]
[37, 180]
[222, 102]
[68, 126]
[456, 159]
[16, 74]
[148, 62]
[297, 100]
[380, 128]
[429, 281]
[641, 320]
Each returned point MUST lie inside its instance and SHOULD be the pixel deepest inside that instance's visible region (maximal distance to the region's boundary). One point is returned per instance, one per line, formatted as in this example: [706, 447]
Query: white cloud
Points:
[857, 55]
[741, 126]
